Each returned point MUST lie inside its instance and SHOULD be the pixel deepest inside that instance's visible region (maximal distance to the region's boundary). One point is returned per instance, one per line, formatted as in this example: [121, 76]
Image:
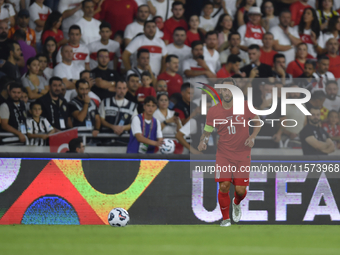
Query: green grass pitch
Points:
[169, 239]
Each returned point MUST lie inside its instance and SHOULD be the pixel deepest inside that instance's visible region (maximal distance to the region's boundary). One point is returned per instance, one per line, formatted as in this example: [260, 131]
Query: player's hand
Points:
[202, 146]
[250, 142]
[95, 133]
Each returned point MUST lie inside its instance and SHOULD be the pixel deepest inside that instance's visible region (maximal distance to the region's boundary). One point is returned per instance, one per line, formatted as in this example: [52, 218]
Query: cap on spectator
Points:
[23, 13]
[254, 10]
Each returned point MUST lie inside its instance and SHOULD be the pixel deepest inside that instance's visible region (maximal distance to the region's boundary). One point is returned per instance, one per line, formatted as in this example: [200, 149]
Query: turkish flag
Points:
[59, 141]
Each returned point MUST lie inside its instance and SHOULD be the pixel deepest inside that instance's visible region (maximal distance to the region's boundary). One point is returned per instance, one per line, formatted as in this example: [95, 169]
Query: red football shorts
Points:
[235, 171]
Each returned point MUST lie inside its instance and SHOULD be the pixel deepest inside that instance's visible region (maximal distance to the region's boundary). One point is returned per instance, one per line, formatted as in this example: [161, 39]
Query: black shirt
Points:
[56, 112]
[265, 71]
[77, 105]
[11, 71]
[318, 132]
[3, 50]
[184, 107]
[133, 98]
[106, 75]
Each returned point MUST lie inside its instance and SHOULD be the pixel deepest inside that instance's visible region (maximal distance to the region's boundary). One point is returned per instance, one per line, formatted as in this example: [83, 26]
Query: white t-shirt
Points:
[135, 28]
[214, 60]
[73, 19]
[231, 7]
[325, 77]
[207, 24]
[38, 13]
[182, 54]
[326, 37]
[48, 72]
[81, 55]
[89, 30]
[17, 4]
[284, 40]
[69, 72]
[114, 50]
[140, 2]
[157, 49]
[6, 12]
[190, 128]
[243, 55]
[171, 128]
[161, 8]
[247, 41]
[137, 129]
[306, 39]
[332, 104]
[120, 103]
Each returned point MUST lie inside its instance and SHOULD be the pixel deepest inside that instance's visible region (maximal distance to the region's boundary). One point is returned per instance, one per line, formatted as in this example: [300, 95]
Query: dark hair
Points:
[54, 78]
[74, 27]
[84, 2]
[267, 33]
[162, 94]
[285, 10]
[177, 3]
[315, 26]
[332, 23]
[320, 5]
[207, 3]
[119, 81]
[322, 57]
[179, 29]
[149, 21]
[74, 144]
[185, 86]
[319, 94]
[54, 54]
[105, 24]
[201, 35]
[278, 55]
[169, 57]
[82, 72]
[140, 51]
[102, 50]
[51, 20]
[211, 33]
[29, 62]
[15, 85]
[33, 104]
[330, 112]
[146, 73]
[233, 59]
[39, 55]
[20, 35]
[24, 90]
[302, 43]
[195, 43]
[254, 47]
[150, 99]
[229, 80]
[331, 82]
[311, 107]
[218, 26]
[263, 9]
[233, 33]
[132, 75]
[81, 81]
[311, 62]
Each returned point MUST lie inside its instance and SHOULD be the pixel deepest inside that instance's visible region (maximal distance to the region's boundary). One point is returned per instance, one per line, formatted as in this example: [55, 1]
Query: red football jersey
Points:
[169, 27]
[174, 83]
[232, 138]
[191, 37]
[295, 68]
[267, 57]
[334, 65]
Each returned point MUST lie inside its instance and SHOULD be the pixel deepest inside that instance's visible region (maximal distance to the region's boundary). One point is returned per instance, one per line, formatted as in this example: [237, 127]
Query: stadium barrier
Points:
[61, 189]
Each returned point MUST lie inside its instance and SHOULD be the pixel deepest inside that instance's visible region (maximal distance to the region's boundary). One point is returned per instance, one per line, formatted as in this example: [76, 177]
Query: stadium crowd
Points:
[115, 66]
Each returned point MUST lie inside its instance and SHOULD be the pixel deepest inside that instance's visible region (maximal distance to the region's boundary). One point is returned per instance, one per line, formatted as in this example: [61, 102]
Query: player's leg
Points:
[224, 202]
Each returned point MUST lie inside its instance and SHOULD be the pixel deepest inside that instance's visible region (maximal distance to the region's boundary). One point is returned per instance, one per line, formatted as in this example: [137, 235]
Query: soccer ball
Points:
[167, 147]
[118, 217]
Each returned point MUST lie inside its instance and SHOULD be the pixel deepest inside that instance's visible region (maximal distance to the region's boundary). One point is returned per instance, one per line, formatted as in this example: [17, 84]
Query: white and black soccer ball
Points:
[167, 147]
[118, 217]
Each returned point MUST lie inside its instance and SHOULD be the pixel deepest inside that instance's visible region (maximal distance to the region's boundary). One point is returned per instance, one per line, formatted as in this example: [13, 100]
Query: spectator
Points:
[206, 22]
[11, 68]
[23, 20]
[146, 131]
[196, 67]
[89, 77]
[44, 70]
[333, 29]
[322, 75]
[285, 37]
[173, 80]
[267, 52]
[183, 105]
[296, 67]
[67, 70]
[243, 11]
[38, 16]
[117, 14]
[269, 20]
[219, 10]
[234, 40]
[223, 27]
[132, 85]
[252, 32]
[317, 100]
[13, 113]
[4, 87]
[315, 140]
[279, 70]
[7, 13]
[178, 48]
[159, 22]
[310, 33]
[307, 80]
[174, 22]
[51, 28]
[76, 145]
[38, 127]
[105, 43]
[71, 11]
[332, 47]
[83, 110]
[325, 12]
[117, 112]
[297, 9]
[160, 8]
[148, 41]
[81, 54]
[105, 78]
[194, 33]
[169, 120]
[332, 101]
[36, 86]
[3, 40]
[161, 87]
[24, 98]
[211, 56]
[230, 68]
[50, 49]
[54, 106]
[332, 127]
[146, 90]
[88, 25]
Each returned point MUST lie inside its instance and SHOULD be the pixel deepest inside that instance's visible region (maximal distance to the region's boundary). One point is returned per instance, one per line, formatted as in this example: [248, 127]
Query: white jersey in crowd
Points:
[81, 55]
[69, 72]
[247, 41]
[137, 129]
[156, 47]
[332, 104]
[283, 39]
[161, 8]
[182, 54]
[43, 127]
[325, 77]
[171, 128]
[17, 4]
[7, 11]
[38, 13]
[119, 103]
[207, 24]
[114, 50]
[89, 30]
[73, 19]
[305, 37]
[214, 60]
[243, 55]
[135, 28]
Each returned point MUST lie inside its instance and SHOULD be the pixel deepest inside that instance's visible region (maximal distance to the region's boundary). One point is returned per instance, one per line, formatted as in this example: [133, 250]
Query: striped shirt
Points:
[33, 127]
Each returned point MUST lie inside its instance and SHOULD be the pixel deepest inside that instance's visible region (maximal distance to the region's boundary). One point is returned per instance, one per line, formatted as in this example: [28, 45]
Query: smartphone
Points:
[253, 65]
[176, 114]
[92, 76]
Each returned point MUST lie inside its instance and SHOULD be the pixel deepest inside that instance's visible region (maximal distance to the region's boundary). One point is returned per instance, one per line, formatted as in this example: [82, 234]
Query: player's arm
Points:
[205, 137]
[251, 139]
[326, 147]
